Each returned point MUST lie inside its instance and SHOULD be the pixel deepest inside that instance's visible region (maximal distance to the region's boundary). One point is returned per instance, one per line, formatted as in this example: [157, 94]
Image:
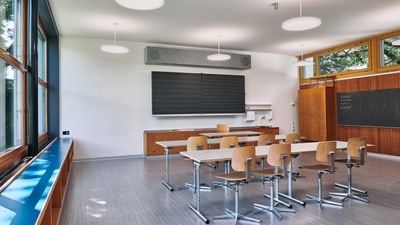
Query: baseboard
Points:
[384, 156]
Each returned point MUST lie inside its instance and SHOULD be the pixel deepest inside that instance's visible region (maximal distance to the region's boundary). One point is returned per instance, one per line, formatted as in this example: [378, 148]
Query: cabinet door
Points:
[313, 113]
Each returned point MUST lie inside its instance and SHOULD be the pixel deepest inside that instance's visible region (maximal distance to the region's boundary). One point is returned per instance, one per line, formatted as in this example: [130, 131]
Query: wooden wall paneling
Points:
[386, 140]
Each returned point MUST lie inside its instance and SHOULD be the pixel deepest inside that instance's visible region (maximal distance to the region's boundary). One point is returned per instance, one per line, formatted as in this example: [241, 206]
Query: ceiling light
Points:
[301, 23]
[114, 48]
[396, 43]
[218, 56]
[141, 4]
[302, 62]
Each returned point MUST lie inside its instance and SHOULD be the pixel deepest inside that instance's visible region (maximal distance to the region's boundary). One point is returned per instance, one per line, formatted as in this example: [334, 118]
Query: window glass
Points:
[42, 110]
[350, 59]
[10, 106]
[42, 56]
[11, 27]
[42, 83]
[308, 71]
[390, 53]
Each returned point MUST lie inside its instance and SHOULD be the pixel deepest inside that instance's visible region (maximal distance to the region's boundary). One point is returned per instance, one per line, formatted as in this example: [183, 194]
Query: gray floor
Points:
[129, 192]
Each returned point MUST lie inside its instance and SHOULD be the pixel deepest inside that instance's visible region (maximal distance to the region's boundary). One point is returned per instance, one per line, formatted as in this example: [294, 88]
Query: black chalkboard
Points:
[195, 93]
[378, 108]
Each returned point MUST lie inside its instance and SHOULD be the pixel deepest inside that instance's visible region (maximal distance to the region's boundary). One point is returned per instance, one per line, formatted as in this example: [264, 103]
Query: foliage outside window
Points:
[42, 83]
[390, 54]
[349, 59]
[11, 27]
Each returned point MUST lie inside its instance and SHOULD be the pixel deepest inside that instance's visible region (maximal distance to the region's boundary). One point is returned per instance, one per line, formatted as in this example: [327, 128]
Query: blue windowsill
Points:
[23, 200]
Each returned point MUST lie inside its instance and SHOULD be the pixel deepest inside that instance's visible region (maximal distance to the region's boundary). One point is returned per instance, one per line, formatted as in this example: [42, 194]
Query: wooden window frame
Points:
[14, 154]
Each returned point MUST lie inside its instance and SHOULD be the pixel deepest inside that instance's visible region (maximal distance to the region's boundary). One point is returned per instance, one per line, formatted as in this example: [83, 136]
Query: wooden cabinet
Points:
[150, 137]
[317, 120]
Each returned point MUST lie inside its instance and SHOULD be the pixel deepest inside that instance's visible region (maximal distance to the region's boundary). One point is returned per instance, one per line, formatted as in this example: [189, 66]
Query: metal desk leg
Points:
[289, 195]
[196, 209]
[166, 181]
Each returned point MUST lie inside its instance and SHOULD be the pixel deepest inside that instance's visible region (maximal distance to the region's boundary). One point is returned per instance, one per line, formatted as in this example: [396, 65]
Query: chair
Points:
[325, 154]
[293, 138]
[227, 142]
[356, 153]
[196, 143]
[243, 162]
[222, 127]
[269, 139]
[278, 157]
[266, 139]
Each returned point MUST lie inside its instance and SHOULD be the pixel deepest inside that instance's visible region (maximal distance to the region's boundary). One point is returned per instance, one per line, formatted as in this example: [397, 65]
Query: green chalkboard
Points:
[378, 108]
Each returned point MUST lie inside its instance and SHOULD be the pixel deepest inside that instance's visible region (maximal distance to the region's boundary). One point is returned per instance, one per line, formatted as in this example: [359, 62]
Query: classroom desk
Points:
[231, 133]
[205, 156]
[169, 145]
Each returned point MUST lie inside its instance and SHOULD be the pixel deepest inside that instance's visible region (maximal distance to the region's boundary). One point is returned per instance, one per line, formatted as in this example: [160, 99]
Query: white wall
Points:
[105, 99]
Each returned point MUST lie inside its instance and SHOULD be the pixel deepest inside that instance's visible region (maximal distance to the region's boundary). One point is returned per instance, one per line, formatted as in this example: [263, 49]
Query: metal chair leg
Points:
[235, 215]
[271, 208]
[350, 192]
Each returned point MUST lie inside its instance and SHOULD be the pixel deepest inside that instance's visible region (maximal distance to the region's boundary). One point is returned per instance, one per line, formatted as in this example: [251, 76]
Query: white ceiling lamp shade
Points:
[301, 22]
[302, 62]
[396, 42]
[114, 48]
[141, 4]
[218, 56]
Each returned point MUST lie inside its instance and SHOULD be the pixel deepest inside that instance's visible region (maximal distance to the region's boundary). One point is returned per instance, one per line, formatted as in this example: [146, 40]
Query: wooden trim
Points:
[374, 57]
[8, 158]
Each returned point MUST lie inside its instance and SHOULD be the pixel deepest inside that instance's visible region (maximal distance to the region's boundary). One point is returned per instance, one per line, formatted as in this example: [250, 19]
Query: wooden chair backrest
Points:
[266, 139]
[229, 142]
[292, 138]
[195, 143]
[239, 157]
[354, 144]
[222, 127]
[323, 149]
[275, 152]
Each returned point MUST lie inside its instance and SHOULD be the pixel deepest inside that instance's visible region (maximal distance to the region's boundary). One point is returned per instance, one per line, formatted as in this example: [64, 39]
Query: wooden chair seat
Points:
[269, 172]
[355, 162]
[316, 167]
[235, 176]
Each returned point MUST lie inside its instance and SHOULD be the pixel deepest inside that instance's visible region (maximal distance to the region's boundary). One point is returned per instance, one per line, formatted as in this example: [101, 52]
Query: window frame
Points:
[10, 156]
[378, 41]
[44, 83]
[343, 74]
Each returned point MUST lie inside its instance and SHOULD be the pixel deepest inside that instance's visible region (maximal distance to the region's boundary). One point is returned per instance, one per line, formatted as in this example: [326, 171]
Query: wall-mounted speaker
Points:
[193, 57]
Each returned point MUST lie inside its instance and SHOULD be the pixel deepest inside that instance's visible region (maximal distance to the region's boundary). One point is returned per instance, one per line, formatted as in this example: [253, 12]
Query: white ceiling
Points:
[247, 25]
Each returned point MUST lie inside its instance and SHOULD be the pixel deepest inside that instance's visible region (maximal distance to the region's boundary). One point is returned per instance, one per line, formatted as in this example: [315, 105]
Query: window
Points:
[11, 27]
[390, 54]
[344, 60]
[42, 83]
[308, 71]
[11, 100]
[10, 106]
